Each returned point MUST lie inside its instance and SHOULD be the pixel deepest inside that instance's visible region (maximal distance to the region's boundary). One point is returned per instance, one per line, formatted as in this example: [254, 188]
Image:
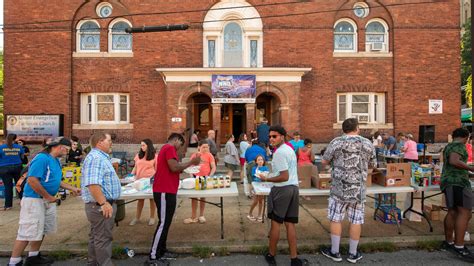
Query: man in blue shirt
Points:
[297, 142]
[11, 155]
[262, 132]
[38, 206]
[283, 200]
[101, 188]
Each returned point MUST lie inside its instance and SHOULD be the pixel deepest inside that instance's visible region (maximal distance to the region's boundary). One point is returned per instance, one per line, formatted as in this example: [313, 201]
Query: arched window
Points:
[233, 52]
[376, 36]
[345, 36]
[232, 35]
[119, 40]
[88, 36]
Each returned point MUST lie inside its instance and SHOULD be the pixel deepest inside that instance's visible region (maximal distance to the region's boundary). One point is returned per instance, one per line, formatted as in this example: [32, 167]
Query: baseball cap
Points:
[59, 141]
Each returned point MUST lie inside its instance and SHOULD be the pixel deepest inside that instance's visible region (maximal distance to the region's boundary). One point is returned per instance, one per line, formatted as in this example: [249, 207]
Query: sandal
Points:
[251, 218]
[6, 208]
[260, 219]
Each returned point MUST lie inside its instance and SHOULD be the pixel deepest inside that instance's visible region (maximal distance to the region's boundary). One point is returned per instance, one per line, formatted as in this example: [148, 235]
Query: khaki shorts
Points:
[37, 218]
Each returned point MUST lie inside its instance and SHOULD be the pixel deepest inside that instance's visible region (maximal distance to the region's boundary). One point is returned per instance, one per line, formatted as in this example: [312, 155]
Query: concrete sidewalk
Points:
[241, 235]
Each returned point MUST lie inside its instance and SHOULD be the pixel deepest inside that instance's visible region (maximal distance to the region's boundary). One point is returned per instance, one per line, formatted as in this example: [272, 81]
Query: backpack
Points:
[20, 185]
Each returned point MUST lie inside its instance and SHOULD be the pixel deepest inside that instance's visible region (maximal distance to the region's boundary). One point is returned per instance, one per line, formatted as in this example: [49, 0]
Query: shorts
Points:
[283, 204]
[232, 167]
[242, 161]
[458, 197]
[37, 218]
[337, 210]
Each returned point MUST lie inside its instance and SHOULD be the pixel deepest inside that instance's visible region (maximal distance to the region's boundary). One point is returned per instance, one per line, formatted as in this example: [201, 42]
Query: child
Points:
[207, 168]
[257, 199]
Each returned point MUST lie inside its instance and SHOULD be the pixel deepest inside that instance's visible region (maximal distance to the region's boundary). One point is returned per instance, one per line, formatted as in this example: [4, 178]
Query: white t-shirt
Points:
[284, 159]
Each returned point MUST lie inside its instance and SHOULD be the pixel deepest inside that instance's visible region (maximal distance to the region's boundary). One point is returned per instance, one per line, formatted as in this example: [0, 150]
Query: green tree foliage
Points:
[466, 58]
[469, 91]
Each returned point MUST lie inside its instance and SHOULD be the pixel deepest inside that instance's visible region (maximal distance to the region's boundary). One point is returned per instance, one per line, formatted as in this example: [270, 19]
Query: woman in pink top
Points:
[145, 167]
[305, 154]
[207, 167]
[409, 148]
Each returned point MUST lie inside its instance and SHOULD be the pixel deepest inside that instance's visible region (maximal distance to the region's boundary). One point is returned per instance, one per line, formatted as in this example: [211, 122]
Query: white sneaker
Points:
[133, 222]
[202, 219]
[151, 221]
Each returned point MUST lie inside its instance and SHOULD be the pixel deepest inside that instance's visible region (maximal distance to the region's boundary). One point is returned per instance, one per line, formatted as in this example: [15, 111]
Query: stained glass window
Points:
[344, 34]
[233, 45]
[90, 36]
[121, 41]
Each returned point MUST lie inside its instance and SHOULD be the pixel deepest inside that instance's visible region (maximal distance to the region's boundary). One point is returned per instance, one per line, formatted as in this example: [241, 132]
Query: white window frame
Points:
[78, 36]
[380, 106]
[354, 41]
[85, 109]
[115, 21]
[386, 36]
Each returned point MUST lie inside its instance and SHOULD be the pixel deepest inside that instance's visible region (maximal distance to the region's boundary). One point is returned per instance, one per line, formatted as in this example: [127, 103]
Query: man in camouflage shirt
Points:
[456, 186]
[350, 156]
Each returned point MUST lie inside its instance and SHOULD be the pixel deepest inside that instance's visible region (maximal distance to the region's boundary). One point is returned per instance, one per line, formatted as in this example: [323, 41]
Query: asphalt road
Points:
[404, 257]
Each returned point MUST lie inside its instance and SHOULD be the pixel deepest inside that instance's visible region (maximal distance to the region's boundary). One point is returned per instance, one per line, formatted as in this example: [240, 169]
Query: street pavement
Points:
[404, 257]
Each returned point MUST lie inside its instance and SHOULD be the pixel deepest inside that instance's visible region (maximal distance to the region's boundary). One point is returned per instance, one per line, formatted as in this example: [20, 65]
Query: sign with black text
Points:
[35, 127]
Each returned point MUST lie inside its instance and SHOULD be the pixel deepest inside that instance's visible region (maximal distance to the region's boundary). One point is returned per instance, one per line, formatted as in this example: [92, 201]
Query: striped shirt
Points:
[98, 170]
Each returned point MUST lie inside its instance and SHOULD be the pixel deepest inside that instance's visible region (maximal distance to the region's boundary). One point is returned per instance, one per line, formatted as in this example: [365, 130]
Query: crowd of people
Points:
[349, 157]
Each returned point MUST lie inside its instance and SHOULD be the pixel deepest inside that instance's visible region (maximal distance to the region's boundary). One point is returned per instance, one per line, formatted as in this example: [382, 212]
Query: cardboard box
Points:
[397, 175]
[434, 212]
[322, 181]
[389, 215]
[370, 173]
[304, 176]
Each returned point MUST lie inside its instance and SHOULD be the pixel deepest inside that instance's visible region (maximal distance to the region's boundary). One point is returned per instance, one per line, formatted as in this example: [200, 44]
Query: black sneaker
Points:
[327, 252]
[299, 262]
[169, 256]
[38, 260]
[354, 258]
[270, 259]
[464, 254]
[445, 246]
[158, 262]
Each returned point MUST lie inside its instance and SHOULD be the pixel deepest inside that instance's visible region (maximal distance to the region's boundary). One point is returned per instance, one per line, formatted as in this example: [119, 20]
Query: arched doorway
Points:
[199, 113]
[268, 106]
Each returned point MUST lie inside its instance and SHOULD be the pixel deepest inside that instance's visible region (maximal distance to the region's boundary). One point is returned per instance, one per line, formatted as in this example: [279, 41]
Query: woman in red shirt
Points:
[145, 167]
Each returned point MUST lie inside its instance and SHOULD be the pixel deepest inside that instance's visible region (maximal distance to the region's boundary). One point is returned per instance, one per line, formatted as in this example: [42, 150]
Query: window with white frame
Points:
[366, 107]
[232, 35]
[345, 36]
[119, 40]
[105, 108]
[376, 36]
[88, 36]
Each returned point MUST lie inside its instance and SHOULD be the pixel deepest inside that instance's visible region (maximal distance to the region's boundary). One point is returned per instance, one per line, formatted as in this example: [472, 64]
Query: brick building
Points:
[315, 62]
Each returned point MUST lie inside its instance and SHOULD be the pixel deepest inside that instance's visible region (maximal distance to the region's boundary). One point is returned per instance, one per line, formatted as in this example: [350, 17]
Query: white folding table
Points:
[263, 188]
[231, 191]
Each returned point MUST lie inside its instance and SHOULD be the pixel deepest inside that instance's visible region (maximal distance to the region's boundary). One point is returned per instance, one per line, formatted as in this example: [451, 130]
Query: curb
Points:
[248, 247]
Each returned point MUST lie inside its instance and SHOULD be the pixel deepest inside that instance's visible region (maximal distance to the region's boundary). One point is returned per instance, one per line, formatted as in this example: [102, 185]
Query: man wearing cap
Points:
[38, 206]
[101, 188]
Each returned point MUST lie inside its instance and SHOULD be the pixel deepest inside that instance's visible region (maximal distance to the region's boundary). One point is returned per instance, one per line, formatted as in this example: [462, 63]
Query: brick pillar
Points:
[250, 116]
[216, 120]
[285, 117]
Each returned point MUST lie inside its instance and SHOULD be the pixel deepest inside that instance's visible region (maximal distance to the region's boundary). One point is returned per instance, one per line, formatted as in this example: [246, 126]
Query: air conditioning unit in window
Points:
[376, 46]
[363, 119]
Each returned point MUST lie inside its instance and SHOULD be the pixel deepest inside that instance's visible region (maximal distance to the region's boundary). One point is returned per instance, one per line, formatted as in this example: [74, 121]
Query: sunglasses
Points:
[273, 136]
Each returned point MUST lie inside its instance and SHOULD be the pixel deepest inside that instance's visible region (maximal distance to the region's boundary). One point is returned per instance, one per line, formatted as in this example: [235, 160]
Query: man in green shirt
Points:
[456, 186]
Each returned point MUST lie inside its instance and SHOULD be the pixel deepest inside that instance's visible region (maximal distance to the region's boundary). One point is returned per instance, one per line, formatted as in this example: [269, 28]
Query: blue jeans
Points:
[9, 174]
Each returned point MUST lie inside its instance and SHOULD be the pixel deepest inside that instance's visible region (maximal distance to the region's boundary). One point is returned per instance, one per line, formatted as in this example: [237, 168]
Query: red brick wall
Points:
[423, 39]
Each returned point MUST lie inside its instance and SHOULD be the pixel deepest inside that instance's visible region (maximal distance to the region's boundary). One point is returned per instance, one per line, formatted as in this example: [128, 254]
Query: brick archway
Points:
[277, 92]
[190, 91]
